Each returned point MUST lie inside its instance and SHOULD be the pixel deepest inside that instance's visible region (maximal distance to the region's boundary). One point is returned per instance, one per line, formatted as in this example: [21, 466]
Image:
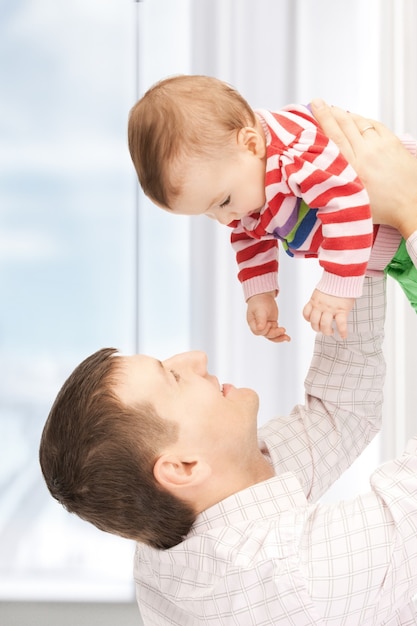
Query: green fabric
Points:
[403, 270]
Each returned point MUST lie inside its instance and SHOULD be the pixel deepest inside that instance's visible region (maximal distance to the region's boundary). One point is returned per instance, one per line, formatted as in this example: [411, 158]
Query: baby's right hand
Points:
[322, 309]
[262, 317]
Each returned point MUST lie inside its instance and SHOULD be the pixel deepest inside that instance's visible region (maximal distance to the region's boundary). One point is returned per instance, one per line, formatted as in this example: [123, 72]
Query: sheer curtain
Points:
[361, 56]
[398, 106]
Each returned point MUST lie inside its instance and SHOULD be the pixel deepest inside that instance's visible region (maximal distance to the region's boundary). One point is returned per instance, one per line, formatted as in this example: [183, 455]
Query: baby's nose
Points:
[225, 217]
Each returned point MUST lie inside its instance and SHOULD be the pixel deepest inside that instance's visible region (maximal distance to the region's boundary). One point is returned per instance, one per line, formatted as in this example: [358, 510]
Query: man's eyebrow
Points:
[163, 369]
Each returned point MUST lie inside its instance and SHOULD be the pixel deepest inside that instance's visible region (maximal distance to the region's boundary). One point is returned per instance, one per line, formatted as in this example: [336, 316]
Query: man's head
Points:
[97, 457]
[189, 130]
[138, 447]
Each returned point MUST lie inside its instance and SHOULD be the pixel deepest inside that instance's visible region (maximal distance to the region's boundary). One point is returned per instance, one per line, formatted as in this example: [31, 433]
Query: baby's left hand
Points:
[323, 308]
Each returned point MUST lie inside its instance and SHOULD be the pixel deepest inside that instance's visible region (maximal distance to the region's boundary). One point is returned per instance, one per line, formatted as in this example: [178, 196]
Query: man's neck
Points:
[221, 487]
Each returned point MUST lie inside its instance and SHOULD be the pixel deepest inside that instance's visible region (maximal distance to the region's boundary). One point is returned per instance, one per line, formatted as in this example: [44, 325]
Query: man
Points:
[226, 519]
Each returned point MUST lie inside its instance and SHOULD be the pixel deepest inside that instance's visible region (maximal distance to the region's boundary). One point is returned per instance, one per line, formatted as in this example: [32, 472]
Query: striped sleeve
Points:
[257, 261]
[313, 169]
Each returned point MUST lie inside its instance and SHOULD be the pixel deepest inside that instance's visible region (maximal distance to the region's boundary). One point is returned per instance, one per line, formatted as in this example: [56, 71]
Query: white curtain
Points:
[362, 56]
[398, 109]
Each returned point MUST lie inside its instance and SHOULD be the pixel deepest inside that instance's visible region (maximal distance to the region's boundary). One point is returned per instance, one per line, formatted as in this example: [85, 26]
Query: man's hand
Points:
[323, 308]
[384, 165]
[262, 317]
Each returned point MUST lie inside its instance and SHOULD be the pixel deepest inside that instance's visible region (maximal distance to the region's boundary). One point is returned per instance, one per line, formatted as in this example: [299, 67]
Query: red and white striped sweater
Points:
[315, 205]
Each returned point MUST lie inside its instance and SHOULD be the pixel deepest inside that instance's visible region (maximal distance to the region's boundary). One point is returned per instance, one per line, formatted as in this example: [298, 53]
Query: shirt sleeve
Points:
[342, 412]
[360, 556]
[404, 616]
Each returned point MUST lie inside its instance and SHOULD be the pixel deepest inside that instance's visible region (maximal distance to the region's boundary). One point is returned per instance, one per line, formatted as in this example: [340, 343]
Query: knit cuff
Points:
[260, 284]
[385, 246]
[411, 245]
[341, 286]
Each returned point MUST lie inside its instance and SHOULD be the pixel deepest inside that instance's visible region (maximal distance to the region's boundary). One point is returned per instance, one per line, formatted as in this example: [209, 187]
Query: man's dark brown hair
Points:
[97, 457]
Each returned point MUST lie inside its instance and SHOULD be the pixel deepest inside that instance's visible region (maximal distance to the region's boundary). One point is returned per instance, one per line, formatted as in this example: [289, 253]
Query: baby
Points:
[199, 148]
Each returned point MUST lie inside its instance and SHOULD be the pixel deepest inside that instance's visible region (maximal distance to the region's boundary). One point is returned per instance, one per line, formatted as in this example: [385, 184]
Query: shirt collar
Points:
[264, 500]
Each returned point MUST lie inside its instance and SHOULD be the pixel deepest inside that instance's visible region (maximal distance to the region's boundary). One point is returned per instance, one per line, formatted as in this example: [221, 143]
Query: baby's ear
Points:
[250, 139]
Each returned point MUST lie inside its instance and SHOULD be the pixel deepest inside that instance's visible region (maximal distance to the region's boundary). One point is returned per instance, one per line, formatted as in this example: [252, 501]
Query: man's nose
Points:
[198, 361]
[195, 360]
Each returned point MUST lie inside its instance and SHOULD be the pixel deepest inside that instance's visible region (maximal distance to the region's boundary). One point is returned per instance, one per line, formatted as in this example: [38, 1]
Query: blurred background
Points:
[86, 261]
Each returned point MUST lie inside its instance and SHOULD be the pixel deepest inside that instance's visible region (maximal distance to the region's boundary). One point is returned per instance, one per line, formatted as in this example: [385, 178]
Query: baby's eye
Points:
[225, 202]
[175, 375]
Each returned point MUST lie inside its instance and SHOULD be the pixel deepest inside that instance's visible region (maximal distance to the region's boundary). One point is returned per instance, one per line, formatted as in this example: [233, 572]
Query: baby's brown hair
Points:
[182, 116]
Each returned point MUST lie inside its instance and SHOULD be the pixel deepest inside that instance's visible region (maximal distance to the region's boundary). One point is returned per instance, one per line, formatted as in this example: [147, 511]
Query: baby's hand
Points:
[262, 317]
[324, 308]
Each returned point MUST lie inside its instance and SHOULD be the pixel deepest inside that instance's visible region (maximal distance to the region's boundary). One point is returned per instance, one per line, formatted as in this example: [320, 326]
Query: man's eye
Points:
[225, 203]
[175, 375]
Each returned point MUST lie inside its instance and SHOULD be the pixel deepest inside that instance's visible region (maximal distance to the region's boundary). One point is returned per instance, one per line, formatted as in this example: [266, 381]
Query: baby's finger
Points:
[314, 319]
[281, 339]
[257, 326]
[307, 311]
[326, 323]
[278, 334]
[341, 323]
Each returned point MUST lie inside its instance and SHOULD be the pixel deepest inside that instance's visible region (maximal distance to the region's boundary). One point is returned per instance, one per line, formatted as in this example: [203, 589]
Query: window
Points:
[73, 257]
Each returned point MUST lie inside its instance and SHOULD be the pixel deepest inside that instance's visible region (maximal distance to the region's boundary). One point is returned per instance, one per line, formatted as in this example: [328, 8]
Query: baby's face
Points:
[225, 189]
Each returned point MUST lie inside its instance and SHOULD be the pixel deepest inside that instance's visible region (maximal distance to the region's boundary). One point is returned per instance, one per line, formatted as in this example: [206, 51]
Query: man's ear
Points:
[177, 475]
[249, 138]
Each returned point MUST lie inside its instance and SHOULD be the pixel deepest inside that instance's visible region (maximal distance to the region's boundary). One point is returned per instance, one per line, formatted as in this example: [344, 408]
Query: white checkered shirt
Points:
[270, 554]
